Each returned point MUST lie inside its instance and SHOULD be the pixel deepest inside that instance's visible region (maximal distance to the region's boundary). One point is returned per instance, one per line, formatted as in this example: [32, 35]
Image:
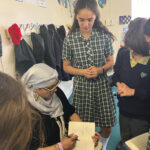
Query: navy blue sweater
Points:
[138, 78]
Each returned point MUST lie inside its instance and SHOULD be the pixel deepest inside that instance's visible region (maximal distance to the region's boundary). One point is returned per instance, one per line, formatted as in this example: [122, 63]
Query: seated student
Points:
[53, 106]
[132, 77]
[16, 121]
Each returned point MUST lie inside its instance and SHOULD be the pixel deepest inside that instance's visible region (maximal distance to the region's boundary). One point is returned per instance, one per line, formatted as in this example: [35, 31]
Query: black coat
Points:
[50, 57]
[38, 47]
[24, 57]
[53, 49]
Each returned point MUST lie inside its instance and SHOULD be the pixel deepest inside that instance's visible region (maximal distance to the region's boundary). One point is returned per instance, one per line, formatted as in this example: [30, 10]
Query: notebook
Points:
[84, 131]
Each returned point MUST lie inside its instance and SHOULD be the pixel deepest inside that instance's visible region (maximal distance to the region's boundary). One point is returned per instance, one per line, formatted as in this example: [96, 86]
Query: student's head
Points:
[42, 79]
[134, 38]
[87, 16]
[15, 115]
[147, 31]
[42, 82]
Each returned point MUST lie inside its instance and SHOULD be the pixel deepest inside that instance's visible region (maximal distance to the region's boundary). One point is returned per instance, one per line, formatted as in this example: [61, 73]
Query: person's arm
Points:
[53, 147]
[72, 70]
[109, 64]
[91, 72]
[117, 66]
[140, 92]
[66, 143]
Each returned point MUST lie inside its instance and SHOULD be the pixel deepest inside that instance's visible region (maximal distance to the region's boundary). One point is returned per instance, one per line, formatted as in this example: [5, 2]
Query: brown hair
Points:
[91, 5]
[16, 115]
[134, 37]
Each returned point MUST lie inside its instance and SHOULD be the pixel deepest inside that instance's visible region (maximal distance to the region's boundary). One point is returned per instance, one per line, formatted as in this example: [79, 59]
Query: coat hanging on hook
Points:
[15, 34]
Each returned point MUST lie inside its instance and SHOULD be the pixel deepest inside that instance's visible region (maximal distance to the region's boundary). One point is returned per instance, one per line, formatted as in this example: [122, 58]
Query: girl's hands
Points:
[124, 90]
[96, 138]
[91, 72]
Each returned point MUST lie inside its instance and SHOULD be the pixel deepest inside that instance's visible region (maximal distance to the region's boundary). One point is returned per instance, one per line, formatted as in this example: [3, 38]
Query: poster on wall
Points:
[63, 2]
[19, 0]
[124, 30]
[124, 19]
[31, 1]
[102, 3]
[42, 3]
[70, 8]
[74, 3]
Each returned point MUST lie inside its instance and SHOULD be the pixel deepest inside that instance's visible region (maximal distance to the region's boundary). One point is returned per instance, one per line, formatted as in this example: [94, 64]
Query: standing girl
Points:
[88, 54]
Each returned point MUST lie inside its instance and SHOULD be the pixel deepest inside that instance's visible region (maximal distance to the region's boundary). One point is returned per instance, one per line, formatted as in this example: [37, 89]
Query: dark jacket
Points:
[136, 106]
[24, 57]
[38, 47]
[50, 57]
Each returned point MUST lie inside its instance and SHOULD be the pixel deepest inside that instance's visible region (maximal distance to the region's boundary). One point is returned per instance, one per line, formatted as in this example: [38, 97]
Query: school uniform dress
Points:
[92, 98]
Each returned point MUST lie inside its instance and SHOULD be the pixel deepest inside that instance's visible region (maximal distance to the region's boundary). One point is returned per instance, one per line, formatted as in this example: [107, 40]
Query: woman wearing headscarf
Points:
[53, 106]
[51, 103]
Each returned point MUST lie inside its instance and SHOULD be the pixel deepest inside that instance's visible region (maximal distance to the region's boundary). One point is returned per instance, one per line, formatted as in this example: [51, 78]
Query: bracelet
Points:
[60, 146]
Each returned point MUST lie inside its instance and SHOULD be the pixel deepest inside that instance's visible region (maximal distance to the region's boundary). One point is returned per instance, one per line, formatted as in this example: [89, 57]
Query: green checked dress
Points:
[92, 98]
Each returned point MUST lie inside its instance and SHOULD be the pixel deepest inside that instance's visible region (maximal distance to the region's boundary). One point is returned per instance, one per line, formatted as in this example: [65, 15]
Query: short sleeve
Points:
[66, 55]
[108, 47]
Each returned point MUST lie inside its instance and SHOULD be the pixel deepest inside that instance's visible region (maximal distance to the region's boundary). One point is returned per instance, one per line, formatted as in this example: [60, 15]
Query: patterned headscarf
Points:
[39, 76]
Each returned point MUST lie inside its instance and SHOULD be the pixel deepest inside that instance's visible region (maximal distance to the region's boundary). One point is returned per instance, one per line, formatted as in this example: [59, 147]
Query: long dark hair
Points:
[134, 37]
[91, 5]
[17, 118]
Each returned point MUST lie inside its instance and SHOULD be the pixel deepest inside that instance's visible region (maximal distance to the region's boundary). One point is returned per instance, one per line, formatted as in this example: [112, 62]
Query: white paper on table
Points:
[84, 131]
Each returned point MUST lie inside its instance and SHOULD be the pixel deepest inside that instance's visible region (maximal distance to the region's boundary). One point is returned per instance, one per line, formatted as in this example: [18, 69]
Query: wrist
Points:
[60, 146]
[132, 92]
[101, 70]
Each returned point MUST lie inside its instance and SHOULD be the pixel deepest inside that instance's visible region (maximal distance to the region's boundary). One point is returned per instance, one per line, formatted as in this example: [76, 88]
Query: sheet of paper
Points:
[42, 3]
[84, 131]
[138, 142]
[31, 1]
[19, 0]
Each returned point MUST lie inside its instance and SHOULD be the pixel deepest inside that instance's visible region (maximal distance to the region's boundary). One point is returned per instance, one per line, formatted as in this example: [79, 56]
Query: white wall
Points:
[111, 13]
[23, 13]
